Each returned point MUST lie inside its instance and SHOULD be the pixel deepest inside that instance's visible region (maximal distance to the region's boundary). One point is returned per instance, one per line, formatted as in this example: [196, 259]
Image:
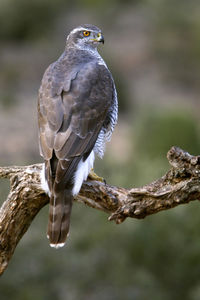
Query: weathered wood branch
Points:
[178, 186]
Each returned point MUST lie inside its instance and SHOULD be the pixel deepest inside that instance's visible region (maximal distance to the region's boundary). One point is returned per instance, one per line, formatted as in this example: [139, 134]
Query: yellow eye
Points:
[86, 33]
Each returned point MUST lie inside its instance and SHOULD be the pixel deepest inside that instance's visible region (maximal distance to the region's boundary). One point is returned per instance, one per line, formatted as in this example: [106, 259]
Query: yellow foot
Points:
[93, 176]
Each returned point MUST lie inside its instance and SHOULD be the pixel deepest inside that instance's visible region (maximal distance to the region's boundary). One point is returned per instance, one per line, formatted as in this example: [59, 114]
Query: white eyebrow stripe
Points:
[78, 29]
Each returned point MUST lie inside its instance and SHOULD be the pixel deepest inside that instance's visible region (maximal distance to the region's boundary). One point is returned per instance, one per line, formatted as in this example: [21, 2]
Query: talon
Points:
[93, 176]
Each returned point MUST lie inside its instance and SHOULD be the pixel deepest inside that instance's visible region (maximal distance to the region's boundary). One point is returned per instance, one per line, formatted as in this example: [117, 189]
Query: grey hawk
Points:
[77, 112]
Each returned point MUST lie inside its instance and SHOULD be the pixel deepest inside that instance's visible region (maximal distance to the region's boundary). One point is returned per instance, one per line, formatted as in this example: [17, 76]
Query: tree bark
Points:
[180, 185]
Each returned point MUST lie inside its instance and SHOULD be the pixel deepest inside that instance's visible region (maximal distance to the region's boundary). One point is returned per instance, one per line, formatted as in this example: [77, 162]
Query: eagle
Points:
[77, 113]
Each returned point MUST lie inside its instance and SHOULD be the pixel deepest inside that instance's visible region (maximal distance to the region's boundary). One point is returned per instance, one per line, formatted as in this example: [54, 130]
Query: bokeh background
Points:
[153, 50]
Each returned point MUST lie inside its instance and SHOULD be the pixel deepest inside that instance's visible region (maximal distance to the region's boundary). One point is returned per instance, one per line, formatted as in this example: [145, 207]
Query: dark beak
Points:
[100, 38]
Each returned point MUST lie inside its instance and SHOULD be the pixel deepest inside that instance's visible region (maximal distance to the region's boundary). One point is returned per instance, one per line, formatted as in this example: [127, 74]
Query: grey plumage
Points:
[77, 112]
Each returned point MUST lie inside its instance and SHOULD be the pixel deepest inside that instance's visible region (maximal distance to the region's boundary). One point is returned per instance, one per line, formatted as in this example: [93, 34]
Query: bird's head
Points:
[85, 36]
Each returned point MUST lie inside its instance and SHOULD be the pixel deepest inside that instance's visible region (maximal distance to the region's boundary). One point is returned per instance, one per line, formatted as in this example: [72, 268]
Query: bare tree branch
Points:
[178, 186]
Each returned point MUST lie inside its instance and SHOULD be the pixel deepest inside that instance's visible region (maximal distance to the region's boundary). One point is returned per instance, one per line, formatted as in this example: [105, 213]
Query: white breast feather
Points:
[82, 172]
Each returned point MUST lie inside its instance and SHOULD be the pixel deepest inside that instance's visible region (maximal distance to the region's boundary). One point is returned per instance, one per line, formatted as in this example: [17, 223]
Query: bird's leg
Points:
[93, 176]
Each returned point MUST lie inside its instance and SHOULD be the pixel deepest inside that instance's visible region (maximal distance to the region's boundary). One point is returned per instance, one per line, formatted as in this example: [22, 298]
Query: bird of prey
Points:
[77, 112]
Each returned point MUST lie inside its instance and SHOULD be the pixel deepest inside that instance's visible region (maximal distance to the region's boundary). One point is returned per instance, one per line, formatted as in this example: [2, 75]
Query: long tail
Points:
[59, 217]
[59, 175]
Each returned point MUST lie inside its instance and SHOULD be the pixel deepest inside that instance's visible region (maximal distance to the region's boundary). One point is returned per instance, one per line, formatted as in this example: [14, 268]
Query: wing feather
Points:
[71, 121]
[72, 109]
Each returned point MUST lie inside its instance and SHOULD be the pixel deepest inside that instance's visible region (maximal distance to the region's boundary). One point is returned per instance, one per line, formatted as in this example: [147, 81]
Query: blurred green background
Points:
[153, 50]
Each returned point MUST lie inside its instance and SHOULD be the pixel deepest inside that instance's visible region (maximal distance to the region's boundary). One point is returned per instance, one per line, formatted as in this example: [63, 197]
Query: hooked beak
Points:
[99, 38]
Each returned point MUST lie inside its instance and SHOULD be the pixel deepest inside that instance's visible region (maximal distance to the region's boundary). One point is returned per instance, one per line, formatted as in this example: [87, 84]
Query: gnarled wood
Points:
[181, 184]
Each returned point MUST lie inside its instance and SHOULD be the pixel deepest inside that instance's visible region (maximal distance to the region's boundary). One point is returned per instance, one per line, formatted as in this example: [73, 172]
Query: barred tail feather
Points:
[59, 218]
[62, 190]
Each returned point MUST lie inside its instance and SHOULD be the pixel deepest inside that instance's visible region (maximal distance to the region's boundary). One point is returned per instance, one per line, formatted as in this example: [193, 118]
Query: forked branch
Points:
[180, 185]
